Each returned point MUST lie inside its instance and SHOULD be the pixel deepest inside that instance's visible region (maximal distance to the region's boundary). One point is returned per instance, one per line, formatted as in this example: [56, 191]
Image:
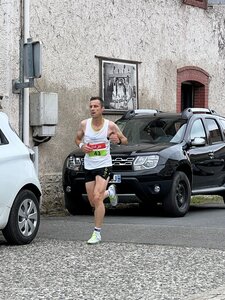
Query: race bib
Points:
[98, 150]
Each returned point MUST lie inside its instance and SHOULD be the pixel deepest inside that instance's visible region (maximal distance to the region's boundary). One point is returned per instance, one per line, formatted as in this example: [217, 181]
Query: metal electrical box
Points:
[43, 113]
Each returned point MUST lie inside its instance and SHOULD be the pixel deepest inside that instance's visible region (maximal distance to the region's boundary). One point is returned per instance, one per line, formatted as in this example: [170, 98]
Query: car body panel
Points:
[17, 170]
[207, 164]
[4, 216]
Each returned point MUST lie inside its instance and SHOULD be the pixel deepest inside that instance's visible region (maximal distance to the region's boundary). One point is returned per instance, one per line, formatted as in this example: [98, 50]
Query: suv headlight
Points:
[74, 163]
[146, 162]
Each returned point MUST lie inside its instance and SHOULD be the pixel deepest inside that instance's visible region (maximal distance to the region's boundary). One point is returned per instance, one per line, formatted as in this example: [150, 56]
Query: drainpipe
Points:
[26, 29]
[26, 98]
[21, 73]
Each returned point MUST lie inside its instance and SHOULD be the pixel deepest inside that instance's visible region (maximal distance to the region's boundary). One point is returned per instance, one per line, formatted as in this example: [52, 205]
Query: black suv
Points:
[169, 157]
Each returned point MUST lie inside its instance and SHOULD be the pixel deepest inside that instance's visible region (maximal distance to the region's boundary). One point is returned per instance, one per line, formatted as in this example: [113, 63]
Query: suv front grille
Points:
[122, 163]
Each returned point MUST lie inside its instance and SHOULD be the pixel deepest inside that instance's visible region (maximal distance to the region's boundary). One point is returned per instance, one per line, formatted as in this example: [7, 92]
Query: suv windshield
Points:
[153, 130]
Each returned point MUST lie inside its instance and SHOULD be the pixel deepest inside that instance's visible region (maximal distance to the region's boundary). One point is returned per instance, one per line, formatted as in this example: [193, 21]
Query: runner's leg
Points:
[90, 185]
[98, 198]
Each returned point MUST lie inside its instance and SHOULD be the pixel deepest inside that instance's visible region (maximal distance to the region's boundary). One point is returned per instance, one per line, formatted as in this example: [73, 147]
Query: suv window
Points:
[198, 130]
[153, 129]
[222, 122]
[214, 131]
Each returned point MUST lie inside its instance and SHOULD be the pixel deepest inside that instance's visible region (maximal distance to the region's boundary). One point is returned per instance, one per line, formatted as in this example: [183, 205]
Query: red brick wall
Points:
[198, 3]
[201, 78]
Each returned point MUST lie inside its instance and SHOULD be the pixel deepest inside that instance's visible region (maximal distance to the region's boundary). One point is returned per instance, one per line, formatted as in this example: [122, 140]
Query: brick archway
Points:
[200, 81]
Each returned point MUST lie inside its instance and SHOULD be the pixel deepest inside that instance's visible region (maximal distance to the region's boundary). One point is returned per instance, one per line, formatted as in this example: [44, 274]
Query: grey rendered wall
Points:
[9, 58]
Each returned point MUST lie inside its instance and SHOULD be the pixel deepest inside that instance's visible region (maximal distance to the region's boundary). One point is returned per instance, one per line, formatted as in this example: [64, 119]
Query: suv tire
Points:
[177, 203]
[24, 219]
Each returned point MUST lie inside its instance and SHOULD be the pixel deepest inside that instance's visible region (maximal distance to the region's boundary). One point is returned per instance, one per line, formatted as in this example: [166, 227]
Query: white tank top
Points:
[100, 156]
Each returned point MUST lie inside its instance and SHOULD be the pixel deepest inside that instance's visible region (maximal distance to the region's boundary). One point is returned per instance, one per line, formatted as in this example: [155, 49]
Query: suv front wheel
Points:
[177, 202]
[76, 205]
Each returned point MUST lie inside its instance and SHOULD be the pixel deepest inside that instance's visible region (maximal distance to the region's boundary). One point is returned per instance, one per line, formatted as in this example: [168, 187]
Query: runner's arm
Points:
[116, 136]
[80, 135]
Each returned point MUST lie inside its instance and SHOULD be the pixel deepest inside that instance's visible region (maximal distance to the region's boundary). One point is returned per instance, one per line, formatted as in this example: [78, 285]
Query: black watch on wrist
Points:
[119, 143]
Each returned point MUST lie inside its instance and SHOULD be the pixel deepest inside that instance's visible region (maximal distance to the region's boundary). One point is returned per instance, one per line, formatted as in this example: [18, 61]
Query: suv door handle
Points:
[211, 155]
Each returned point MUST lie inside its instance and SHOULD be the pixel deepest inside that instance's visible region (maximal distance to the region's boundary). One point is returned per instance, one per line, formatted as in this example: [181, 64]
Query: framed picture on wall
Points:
[118, 84]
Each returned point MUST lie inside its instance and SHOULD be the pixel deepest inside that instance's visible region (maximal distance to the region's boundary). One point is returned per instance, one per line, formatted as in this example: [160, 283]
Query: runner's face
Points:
[95, 108]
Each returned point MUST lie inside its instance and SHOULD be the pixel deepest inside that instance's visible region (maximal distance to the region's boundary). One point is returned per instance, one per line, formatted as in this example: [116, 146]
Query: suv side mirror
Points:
[198, 142]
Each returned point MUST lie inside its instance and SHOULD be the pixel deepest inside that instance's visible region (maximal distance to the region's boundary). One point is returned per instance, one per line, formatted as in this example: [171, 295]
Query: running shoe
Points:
[113, 198]
[95, 238]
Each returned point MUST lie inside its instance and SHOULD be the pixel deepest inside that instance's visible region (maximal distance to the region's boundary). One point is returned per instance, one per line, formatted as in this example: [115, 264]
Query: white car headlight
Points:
[146, 162]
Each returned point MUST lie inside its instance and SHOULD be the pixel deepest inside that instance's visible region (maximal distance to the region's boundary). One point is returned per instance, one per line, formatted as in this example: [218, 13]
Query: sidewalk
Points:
[67, 270]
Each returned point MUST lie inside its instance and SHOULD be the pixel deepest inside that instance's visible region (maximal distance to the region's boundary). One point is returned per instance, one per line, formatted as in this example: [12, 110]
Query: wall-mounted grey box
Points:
[43, 109]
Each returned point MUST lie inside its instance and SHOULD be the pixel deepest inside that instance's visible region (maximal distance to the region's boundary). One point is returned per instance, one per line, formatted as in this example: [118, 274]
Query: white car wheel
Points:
[24, 219]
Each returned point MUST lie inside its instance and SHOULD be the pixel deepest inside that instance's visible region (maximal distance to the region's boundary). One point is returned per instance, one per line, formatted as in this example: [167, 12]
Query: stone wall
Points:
[52, 198]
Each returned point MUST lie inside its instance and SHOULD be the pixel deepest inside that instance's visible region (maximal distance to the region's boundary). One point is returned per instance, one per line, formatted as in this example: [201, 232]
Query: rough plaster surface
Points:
[9, 58]
[52, 198]
[163, 35]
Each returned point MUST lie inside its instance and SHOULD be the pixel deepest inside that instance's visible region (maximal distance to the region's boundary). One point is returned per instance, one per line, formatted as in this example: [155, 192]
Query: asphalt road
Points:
[203, 226]
[142, 257]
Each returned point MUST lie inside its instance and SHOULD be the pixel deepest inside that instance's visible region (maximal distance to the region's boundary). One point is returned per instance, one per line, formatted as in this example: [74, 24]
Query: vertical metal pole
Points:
[26, 99]
[21, 73]
[26, 125]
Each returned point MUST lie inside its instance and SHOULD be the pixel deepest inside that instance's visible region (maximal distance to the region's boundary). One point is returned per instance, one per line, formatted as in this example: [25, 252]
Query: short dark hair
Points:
[98, 98]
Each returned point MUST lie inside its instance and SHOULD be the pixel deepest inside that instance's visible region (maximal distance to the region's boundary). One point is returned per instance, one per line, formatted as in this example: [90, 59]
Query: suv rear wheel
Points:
[24, 219]
[177, 203]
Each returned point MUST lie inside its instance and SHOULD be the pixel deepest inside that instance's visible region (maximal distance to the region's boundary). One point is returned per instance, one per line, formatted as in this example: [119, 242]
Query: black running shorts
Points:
[103, 172]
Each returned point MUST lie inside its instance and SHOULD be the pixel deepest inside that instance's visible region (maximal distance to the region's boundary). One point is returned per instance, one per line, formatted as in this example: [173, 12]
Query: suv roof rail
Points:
[133, 112]
[145, 111]
[197, 110]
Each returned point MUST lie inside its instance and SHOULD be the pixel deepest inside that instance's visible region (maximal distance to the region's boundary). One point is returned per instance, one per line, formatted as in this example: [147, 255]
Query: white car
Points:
[20, 190]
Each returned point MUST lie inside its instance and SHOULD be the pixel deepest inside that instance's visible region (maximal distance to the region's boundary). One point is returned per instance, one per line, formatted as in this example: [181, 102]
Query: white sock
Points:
[97, 229]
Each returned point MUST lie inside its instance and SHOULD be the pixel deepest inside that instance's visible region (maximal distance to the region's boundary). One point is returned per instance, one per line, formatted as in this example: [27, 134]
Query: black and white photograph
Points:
[119, 85]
